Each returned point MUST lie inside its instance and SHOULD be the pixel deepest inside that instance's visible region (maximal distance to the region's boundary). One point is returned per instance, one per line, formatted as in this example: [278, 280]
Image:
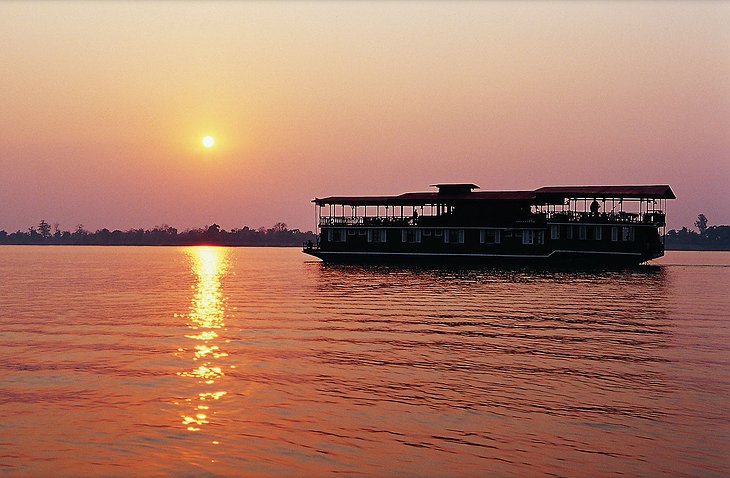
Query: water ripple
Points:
[256, 362]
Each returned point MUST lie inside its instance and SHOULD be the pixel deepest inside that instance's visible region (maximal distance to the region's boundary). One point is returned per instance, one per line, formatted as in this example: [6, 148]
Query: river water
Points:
[207, 361]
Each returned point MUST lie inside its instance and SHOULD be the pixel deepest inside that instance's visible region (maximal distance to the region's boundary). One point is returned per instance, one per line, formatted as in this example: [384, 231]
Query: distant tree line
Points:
[44, 233]
[706, 237]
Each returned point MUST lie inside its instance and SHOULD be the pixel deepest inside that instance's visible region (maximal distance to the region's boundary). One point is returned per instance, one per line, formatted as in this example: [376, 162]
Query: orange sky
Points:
[104, 105]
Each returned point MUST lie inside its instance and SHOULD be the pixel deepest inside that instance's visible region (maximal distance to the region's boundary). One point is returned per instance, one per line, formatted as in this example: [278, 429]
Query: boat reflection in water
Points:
[205, 319]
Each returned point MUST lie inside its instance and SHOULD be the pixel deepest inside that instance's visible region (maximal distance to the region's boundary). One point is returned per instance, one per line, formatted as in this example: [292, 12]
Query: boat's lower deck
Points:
[551, 243]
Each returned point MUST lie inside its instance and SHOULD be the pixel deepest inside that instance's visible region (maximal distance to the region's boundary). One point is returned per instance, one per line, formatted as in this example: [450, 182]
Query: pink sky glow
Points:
[104, 105]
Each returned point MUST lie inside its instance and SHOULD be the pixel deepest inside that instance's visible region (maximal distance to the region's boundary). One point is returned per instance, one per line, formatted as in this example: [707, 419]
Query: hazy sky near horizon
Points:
[104, 105]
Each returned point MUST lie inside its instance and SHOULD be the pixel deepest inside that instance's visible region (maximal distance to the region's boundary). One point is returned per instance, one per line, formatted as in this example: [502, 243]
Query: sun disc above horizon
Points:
[208, 141]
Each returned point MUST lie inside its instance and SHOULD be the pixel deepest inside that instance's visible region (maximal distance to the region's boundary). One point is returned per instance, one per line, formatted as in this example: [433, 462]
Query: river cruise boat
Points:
[587, 225]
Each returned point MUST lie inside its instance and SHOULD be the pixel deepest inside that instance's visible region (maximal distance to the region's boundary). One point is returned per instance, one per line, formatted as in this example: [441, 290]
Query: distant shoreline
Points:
[709, 238]
[44, 235]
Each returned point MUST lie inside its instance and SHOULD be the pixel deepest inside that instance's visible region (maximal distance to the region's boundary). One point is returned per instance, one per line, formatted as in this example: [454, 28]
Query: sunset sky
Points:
[104, 105]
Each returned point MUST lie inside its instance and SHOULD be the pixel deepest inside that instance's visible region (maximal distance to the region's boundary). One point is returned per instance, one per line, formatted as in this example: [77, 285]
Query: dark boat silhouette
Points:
[581, 225]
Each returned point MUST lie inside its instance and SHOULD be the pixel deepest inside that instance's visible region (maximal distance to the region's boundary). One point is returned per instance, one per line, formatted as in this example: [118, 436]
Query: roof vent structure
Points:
[461, 188]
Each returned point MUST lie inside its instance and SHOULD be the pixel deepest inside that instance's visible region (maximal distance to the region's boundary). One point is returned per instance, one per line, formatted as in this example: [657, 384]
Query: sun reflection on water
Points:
[206, 316]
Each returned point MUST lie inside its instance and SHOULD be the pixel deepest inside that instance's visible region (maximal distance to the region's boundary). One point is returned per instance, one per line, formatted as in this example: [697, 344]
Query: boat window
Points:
[411, 235]
[598, 233]
[569, 232]
[554, 231]
[614, 234]
[427, 232]
[351, 232]
[582, 233]
[540, 238]
[377, 235]
[627, 234]
[528, 237]
[454, 236]
[337, 235]
[438, 232]
[361, 232]
[489, 236]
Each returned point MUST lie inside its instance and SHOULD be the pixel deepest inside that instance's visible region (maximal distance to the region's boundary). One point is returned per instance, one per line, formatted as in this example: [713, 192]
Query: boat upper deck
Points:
[460, 204]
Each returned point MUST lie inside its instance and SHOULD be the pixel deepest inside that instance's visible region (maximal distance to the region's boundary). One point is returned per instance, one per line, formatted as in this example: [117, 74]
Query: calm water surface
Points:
[257, 362]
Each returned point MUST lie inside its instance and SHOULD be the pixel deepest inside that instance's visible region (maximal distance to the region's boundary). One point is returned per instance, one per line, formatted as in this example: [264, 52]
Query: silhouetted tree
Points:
[44, 229]
[701, 224]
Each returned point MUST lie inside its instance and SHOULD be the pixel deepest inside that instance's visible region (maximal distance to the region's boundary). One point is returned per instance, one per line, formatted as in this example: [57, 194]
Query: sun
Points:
[208, 141]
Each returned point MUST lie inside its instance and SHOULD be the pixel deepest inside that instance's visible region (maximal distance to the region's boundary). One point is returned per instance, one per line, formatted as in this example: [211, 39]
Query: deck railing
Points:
[367, 221]
[656, 218]
[341, 221]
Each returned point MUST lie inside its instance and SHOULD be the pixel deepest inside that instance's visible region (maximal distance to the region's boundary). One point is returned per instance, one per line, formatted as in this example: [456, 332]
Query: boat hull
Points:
[554, 258]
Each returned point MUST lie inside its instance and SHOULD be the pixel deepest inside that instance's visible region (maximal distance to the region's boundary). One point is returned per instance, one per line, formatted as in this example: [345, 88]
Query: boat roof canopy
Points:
[661, 191]
[459, 193]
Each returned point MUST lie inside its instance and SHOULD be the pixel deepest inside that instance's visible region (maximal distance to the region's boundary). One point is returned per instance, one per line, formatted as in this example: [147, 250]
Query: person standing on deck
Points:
[594, 208]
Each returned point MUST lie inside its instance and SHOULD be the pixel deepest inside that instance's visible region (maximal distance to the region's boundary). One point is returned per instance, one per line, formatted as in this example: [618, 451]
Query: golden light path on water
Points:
[206, 317]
